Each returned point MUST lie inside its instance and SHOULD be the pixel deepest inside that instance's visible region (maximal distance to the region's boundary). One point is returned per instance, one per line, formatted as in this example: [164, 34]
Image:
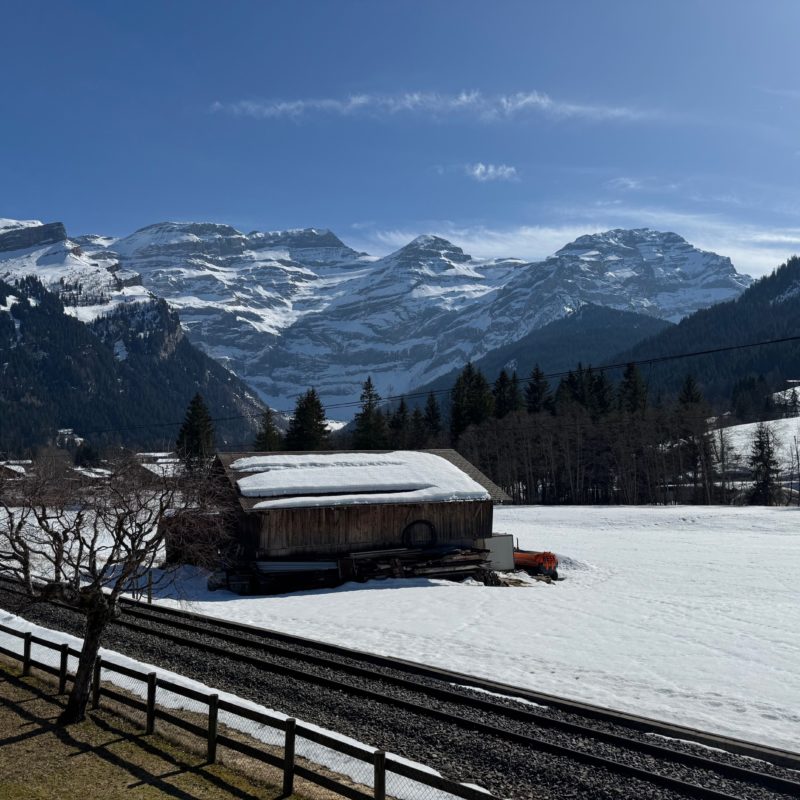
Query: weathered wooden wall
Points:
[332, 530]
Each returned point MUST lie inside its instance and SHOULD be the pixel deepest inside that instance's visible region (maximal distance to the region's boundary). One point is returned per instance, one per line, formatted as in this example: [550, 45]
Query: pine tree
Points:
[766, 490]
[195, 443]
[515, 394]
[471, 401]
[506, 393]
[433, 416]
[690, 392]
[632, 394]
[308, 429]
[399, 426]
[418, 430]
[268, 437]
[537, 393]
[369, 423]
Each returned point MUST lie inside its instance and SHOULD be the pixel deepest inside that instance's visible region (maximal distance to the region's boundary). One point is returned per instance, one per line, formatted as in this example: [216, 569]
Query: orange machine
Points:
[536, 563]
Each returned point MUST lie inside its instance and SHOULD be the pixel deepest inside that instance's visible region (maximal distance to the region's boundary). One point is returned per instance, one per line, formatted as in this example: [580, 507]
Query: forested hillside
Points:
[118, 380]
[769, 309]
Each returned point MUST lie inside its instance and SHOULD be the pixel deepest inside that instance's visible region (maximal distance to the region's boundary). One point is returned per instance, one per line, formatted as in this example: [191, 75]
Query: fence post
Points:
[62, 671]
[96, 682]
[380, 775]
[150, 587]
[288, 757]
[213, 703]
[26, 654]
[152, 680]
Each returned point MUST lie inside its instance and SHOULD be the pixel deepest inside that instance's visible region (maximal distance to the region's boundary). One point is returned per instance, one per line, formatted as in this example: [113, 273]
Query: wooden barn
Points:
[323, 517]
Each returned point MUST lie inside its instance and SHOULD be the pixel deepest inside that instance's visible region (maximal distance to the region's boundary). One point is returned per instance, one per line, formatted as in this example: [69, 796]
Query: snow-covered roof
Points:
[324, 479]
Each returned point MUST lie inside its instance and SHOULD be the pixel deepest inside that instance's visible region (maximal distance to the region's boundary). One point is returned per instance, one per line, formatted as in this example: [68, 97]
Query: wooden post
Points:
[152, 681]
[288, 757]
[62, 672]
[380, 775]
[26, 654]
[150, 587]
[213, 713]
[98, 666]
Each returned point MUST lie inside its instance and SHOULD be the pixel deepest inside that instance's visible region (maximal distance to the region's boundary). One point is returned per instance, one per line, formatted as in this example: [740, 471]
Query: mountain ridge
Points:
[288, 309]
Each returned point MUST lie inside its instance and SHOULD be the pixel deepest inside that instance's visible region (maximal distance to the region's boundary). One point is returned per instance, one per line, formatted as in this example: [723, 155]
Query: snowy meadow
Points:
[683, 613]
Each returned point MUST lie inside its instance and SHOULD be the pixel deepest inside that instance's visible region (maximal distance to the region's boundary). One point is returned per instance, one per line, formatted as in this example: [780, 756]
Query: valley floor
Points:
[689, 614]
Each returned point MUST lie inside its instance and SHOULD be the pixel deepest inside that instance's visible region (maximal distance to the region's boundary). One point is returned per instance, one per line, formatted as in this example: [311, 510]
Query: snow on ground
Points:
[684, 613]
[787, 440]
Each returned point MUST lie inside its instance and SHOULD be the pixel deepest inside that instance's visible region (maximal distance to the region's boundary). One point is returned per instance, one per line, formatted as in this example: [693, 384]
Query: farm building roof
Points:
[294, 480]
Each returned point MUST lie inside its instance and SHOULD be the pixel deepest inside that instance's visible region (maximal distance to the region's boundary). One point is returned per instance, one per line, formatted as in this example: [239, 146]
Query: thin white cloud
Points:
[626, 184]
[466, 103]
[529, 242]
[753, 250]
[491, 172]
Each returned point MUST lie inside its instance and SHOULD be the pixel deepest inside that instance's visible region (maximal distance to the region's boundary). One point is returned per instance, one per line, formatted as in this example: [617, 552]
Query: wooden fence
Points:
[379, 764]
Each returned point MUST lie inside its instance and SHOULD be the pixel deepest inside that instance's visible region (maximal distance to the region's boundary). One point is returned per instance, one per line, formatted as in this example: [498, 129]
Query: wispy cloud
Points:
[491, 172]
[791, 94]
[754, 250]
[466, 103]
[624, 183]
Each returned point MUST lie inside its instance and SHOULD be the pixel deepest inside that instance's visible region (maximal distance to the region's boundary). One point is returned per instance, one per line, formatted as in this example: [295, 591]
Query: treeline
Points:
[584, 439]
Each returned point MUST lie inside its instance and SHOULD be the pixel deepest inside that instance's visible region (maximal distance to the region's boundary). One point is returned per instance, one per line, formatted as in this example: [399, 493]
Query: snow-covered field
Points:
[689, 614]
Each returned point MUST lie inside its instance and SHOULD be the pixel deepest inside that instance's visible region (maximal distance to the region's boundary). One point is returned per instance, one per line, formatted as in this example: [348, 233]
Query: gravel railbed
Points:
[677, 745]
[506, 769]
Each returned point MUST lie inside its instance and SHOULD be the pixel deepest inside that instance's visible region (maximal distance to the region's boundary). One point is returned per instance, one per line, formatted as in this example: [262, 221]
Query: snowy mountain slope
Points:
[87, 285]
[429, 307]
[235, 292]
[287, 310]
[84, 345]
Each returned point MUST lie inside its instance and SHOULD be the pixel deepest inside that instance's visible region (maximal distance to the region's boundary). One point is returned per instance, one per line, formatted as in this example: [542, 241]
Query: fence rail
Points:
[382, 776]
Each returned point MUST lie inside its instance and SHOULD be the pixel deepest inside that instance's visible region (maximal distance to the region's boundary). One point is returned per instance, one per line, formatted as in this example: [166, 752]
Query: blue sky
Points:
[509, 127]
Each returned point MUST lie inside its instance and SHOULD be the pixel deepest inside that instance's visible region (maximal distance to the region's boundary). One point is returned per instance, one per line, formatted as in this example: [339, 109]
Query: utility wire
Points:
[549, 375]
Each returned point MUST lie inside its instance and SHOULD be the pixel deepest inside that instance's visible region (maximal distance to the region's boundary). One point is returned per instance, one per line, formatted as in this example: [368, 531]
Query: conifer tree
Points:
[632, 394]
[418, 430]
[433, 416]
[503, 392]
[370, 423]
[399, 425]
[195, 442]
[537, 393]
[690, 392]
[471, 401]
[268, 437]
[308, 429]
[766, 490]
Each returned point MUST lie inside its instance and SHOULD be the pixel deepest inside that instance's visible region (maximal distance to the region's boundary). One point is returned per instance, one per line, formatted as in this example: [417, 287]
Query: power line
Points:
[549, 375]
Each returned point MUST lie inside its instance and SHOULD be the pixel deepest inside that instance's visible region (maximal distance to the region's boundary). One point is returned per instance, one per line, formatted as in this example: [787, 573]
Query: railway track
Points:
[567, 732]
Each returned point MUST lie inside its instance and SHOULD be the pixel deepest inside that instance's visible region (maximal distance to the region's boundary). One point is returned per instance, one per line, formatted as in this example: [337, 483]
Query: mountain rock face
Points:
[88, 286]
[22, 236]
[84, 345]
[298, 308]
[288, 310]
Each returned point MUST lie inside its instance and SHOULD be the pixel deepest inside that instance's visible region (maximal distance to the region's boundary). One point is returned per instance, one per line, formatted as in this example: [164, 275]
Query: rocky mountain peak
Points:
[429, 248]
[297, 239]
[23, 236]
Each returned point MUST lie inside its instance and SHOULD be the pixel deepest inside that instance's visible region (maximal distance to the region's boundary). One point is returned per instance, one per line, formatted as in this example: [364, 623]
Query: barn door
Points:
[419, 534]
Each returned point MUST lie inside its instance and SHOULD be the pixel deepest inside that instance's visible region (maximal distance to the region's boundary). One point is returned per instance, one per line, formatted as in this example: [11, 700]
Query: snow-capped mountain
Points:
[287, 310]
[88, 285]
[84, 345]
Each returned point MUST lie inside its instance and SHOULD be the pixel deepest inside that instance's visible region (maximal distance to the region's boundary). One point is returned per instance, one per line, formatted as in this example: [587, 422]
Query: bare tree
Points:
[86, 540]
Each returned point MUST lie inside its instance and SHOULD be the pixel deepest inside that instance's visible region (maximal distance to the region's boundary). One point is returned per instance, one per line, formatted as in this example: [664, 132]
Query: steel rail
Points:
[777, 756]
[731, 771]
[660, 752]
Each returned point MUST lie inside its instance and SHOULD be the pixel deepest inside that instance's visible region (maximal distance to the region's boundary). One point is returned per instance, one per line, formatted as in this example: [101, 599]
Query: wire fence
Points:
[299, 757]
